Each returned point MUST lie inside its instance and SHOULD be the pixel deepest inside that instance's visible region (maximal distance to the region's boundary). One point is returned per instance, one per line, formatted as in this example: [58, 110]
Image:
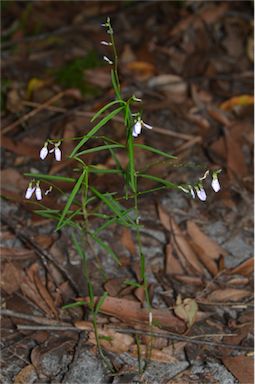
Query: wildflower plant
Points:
[81, 204]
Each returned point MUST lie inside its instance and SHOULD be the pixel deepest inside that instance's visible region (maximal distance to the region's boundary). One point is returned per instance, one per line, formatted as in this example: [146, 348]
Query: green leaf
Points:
[100, 148]
[154, 150]
[105, 108]
[95, 129]
[74, 305]
[71, 198]
[41, 176]
[132, 283]
[115, 83]
[116, 219]
[100, 302]
[98, 169]
[112, 204]
[158, 180]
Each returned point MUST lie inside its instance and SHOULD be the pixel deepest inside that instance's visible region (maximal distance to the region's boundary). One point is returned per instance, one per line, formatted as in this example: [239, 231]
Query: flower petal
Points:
[43, 152]
[201, 194]
[137, 128]
[215, 185]
[147, 126]
[57, 154]
[38, 193]
[29, 192]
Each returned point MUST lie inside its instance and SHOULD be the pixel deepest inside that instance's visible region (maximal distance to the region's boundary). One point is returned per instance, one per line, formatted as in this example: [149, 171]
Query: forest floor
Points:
[191, 63]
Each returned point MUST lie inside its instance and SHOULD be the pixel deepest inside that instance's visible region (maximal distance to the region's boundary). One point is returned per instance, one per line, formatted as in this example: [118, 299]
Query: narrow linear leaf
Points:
[114, 220]
[95, 129]
[41, 176]
[97, 169]
[69, 219]
[100, 302]
[100, 148]
[132, 283]
[74, 305]
[115, 84]
[159, 180]
[111, 204]
[154, 150]
[71, 198]
[102, 110]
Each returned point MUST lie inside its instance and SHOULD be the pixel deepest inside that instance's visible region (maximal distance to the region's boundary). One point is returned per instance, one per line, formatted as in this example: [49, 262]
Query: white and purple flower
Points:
[30, 191]
[44, 151]
[137, 128]
[215, 182]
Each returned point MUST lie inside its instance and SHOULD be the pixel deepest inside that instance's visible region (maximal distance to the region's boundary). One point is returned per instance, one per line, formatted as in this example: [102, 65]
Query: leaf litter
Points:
[195, 279]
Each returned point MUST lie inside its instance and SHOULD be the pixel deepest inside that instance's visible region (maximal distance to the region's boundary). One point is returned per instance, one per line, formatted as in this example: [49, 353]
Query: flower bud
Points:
[107, 60]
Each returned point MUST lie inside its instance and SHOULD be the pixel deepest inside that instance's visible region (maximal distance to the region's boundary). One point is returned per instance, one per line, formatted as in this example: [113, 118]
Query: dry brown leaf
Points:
[219, 116]
[20, 148]
[141, 69]
[228, 294]
[209, 14]
[127, 240]
[173, 86]
[246, 268]
[17, 254]
[189, 280]
[164, 218]
[209, 246]
[183, 248]
[113, 341]
[242, 367]
[11, 278]
[131, 311]
[186, 310]
[27, 375]
[44, 293]
[44, 241]
[13, 181]
[172, 264]
[100, 77]
[114, 286]
[156, 355]
[209, 263]
[235, 157]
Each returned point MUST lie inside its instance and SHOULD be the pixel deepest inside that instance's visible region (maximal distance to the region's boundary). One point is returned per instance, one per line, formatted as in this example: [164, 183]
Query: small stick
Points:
[163, 131]
[46, 328]
[184, 338]
[33, 112]
[36, 319]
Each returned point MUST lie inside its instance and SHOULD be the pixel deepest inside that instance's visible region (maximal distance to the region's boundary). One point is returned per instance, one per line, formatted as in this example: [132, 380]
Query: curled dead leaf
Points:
[186, 309]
